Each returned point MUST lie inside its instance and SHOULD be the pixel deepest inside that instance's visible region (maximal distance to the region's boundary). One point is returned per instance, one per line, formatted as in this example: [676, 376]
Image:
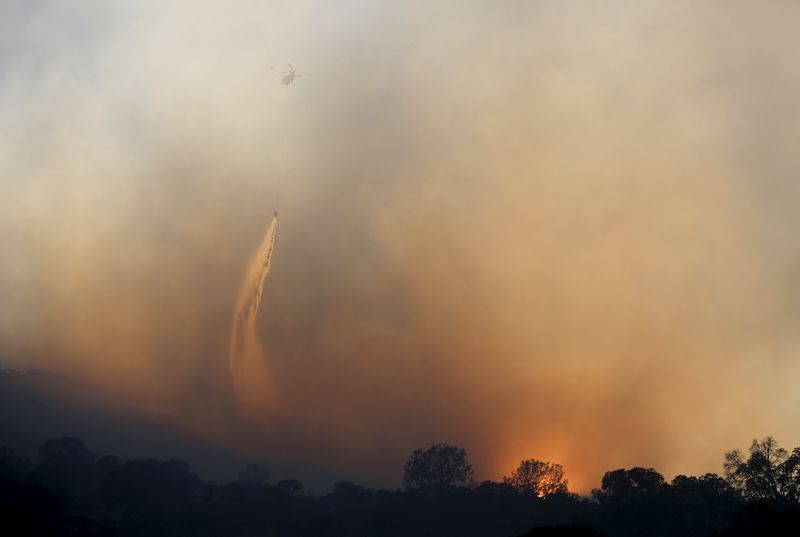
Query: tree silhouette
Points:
[632, 502]
[255, 473]
[439, 468]
[702, 504]
[622, 484]
[768, 473]
[73, 492]
[538, 478]
[289, 487]
[67, 468]
[64, 450]
[11, 465]
[152, 485]
[562, 531]
[758, 519]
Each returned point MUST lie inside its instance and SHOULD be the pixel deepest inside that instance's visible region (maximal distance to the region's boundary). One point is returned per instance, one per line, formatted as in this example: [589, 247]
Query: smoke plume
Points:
[554, 230]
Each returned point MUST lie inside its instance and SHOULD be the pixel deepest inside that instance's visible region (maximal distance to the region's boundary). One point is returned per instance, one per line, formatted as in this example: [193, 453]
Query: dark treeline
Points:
[70, 491]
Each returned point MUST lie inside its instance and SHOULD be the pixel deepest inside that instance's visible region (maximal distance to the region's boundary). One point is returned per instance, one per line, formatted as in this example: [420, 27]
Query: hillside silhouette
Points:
[38, 405]
[68, 489]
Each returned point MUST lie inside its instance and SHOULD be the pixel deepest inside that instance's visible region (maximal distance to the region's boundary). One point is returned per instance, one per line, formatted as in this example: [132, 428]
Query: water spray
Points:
[251, 380]
[248, 369]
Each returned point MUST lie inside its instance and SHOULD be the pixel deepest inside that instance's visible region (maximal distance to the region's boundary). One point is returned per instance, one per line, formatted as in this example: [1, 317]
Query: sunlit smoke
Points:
[627, 170]
[246, 354]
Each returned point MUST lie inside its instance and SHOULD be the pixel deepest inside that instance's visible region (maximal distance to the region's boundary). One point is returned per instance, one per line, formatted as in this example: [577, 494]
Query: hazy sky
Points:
[561, 230]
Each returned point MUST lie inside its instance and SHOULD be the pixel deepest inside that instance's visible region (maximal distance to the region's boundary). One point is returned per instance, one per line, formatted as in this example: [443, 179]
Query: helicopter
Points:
[289, 76]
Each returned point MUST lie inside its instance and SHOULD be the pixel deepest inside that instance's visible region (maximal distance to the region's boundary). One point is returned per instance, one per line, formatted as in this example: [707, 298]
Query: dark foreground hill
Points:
[70, 491]
[73, 465]
[37, 405]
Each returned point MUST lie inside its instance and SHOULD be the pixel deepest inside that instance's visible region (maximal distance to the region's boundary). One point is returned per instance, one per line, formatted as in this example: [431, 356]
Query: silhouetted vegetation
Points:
[538, 478]
[769, 472]
[437, 469]
[70, 491]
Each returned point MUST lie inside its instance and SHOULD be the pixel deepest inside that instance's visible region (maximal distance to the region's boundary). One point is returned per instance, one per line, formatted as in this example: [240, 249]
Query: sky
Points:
[554, 230]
